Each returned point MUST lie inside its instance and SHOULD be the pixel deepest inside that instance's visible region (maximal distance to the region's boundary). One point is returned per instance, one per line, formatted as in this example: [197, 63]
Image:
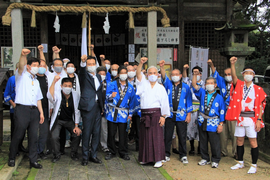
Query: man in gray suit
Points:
[91, 107]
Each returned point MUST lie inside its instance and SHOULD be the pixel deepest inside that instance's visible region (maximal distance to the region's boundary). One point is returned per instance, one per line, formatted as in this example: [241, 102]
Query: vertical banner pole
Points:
[89, 34]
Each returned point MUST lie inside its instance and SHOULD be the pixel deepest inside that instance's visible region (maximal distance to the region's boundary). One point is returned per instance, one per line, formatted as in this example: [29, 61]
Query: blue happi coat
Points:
[217, 109]
[137, 109]
[10, 93]
[108, 76]
[222, 84]
[129, 103]
[185, 102]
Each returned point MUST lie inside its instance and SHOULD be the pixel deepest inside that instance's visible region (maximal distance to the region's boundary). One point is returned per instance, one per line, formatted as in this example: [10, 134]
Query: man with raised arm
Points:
[154, 110]
[224, 85]
[28, 110]
[192, 128]
[246, 107]
[210, 119]
[180, 99]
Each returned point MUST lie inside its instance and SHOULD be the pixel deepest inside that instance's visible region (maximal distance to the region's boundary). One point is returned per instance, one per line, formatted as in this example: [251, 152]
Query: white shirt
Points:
[97, 83]
[155, 97]
[28, 91]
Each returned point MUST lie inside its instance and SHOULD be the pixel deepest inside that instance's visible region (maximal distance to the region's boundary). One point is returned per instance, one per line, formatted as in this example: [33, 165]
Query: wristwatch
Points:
[76, 125]
[259, 119]
[163, 117]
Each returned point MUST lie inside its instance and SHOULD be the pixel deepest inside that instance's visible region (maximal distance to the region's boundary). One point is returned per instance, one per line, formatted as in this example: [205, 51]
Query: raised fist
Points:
[209, 62]
[161, 63]
[25, 52]
[92, 46]
[102, 56]
[84, 58]
[56, 78]
[144, 60]
[40, 48]
[114, 94]
[186, 66]
[56, 49]
[233, 60]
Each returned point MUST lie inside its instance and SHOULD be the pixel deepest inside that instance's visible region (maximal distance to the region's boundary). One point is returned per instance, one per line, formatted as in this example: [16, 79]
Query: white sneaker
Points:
[203, 162]
[214, 165]
[67, 143]
[239, 165]
[142, 163]
[166, 159]
[158, 164]
[184, 160]
[252, 169]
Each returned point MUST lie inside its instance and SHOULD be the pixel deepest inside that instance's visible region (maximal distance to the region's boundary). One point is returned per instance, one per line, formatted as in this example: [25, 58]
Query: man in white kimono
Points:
[154, 110]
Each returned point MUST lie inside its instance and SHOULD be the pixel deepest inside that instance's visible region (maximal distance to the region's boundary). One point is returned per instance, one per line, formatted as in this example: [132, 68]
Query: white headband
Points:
[247, 70]
[66, 59]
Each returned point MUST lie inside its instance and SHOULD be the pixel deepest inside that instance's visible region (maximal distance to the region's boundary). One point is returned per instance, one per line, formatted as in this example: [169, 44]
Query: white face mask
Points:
[131, 74]
[57, 69]
[228, 78]
[175, 78]
[123, 77]
[103, 77]
[248, 78]
[108, 66]
[210, 87]
[152, 78]
[34, 70]
[70, 70]
[198, 78]
[159, 80]
[66, 90]
[114, 73]
[91, 69]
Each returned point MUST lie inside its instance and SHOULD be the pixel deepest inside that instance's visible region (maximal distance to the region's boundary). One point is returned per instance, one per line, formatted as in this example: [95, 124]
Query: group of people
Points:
[100, 105]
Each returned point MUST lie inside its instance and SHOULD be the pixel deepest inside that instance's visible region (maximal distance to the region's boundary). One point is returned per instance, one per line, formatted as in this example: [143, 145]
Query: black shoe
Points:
[63, 153]
[18, 153]
[74, 156]
[23, 149]
[125, 157]
[56, 158]
[191, 153]
[11, 163]
[84, 162]
[95, 160]
[47, 152]
[42, 155]
[109, 156]
[175, 151]
[199, 153]
[35, 165]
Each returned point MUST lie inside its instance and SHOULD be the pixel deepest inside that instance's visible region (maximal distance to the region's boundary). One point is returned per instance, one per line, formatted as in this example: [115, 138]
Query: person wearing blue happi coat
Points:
[210, 120]
[180, 100]
[121, 103]
[224, 85]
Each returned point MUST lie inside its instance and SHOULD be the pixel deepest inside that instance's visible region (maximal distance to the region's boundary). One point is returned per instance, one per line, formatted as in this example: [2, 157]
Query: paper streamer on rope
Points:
[56, 24]
[84, 20]
[106, 26]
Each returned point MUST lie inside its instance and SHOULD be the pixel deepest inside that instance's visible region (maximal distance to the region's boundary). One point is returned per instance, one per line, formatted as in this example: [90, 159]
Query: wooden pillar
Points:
[44, 33]
[152, 38]
[181, 46]
[17, 34]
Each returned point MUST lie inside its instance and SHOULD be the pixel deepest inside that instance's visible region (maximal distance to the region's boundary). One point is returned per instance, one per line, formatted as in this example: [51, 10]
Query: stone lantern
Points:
[236, 38]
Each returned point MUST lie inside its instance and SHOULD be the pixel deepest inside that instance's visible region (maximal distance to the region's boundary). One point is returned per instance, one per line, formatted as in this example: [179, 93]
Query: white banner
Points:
[199, 57]
[168, 35]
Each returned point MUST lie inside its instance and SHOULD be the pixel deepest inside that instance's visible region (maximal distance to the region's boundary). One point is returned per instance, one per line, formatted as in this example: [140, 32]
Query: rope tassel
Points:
[33, 19]
[131, 21]
[84, 20]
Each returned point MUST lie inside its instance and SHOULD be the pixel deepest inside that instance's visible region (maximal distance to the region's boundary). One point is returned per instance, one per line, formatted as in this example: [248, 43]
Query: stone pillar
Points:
[152, 38]
[17, 34]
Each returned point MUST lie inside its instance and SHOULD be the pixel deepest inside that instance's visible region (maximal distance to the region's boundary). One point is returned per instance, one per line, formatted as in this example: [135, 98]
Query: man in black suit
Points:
[91, 107]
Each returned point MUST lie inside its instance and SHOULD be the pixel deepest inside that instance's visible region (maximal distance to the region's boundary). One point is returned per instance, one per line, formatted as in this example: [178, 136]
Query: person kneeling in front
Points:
[65, 114]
